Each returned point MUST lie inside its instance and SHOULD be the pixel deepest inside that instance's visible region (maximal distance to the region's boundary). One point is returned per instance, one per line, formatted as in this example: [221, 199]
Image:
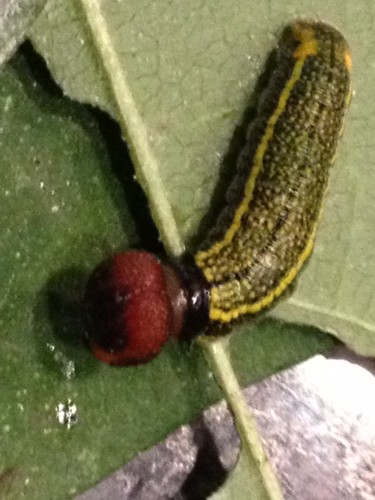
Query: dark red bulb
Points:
[134, 303]
[128, 308]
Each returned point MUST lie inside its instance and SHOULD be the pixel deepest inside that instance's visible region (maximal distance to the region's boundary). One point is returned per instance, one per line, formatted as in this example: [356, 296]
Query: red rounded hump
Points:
[128, 308]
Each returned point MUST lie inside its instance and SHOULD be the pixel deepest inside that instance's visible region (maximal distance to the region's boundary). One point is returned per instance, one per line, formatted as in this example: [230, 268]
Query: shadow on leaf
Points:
[236, 163]
[60, 309]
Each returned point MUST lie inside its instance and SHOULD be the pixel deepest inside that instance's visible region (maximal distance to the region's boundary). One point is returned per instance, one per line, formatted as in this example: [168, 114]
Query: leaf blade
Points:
[192, 119]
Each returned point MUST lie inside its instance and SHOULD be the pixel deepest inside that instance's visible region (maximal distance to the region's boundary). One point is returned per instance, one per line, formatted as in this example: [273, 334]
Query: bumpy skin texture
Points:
[128, 309]
[285, 170]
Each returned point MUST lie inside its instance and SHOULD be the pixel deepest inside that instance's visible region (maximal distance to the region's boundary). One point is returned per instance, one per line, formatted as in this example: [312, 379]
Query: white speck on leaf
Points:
[8, 103]
[66, 413]
[67, 366]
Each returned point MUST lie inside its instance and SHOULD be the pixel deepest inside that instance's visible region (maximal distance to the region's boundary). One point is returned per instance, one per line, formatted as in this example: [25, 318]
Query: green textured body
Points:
[284, 173]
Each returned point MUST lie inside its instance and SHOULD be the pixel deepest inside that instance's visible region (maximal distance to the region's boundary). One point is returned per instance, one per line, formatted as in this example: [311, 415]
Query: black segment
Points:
[197, 291]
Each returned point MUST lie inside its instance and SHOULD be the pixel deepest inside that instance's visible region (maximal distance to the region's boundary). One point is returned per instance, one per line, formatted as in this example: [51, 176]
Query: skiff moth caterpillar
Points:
[273, 229]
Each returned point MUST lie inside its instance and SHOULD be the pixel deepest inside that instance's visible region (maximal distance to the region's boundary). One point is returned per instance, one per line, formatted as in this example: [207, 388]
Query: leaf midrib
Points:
[133, 128]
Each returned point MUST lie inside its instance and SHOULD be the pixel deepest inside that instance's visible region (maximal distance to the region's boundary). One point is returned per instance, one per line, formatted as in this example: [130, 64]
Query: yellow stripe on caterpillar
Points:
[272, 231]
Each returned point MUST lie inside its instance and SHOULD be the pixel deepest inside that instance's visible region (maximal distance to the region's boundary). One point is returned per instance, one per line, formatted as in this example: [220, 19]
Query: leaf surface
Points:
[15, 18]
[190, 73]
[68, 200]
[189, 76]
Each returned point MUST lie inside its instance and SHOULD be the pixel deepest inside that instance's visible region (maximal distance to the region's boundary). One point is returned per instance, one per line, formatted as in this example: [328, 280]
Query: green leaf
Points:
[15, 18]
[179, 81]
[68, 200]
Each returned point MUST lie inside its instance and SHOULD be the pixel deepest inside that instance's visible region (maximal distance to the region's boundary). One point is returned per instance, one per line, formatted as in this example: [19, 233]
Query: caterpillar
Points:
[134, 302]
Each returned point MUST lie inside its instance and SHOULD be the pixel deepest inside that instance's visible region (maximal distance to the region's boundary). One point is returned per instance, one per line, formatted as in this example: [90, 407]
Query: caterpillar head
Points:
[134, 303]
